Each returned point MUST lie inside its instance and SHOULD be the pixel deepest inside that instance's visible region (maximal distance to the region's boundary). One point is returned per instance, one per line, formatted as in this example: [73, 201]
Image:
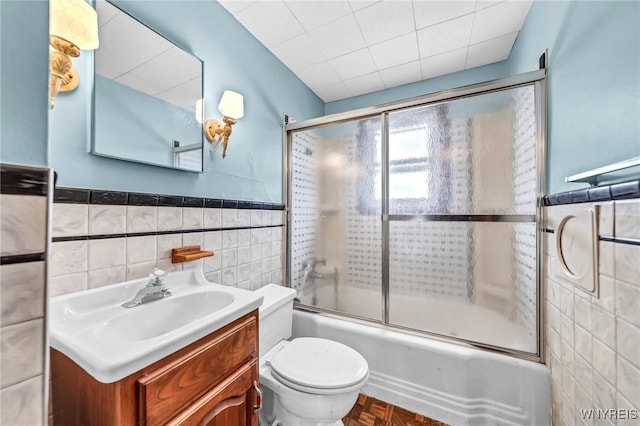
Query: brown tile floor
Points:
[369, 411]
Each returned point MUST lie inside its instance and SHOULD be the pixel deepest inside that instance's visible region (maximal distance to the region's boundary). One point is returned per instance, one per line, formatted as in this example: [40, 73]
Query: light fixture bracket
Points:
[215, 131]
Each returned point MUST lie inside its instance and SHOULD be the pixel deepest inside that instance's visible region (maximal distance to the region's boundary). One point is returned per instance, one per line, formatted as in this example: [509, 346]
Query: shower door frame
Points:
[538, 80]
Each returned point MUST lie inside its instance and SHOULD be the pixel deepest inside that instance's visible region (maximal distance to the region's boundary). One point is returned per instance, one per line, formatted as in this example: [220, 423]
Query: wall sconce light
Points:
[231, 107]
[73, 25]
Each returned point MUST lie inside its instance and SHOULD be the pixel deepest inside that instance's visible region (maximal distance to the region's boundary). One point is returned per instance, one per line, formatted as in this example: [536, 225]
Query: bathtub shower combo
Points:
[414, 232]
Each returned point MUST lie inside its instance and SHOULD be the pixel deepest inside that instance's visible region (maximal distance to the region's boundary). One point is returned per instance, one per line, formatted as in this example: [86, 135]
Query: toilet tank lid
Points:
[274, 296]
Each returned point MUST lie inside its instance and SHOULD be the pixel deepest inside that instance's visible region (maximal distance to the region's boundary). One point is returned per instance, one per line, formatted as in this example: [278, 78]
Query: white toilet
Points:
[306, 381]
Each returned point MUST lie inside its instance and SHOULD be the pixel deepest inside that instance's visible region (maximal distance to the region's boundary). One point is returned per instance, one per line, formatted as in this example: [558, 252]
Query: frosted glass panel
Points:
[336, 249]
[475, 281]
[473, 155]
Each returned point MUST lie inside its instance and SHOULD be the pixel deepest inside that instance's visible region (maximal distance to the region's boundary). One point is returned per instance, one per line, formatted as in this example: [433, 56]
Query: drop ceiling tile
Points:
[401, 74]
[444, 37]
[338, 37]
[271, 22]
[498, 20]
[490, 51]
[318, 75]
[353, 64]
[333, 92]
[312, 14]
[364, 84]
[385, 20]
[396, 51]
[235, 6]
[361, 4]
[444, 63]
[298, 52]
[429, 13]
[483, 4]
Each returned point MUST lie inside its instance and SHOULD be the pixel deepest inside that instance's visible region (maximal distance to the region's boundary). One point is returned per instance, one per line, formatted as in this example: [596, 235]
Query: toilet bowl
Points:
[306, 381]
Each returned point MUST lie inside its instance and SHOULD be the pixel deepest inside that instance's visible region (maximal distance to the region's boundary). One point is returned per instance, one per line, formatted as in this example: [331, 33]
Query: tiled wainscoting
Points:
[105, 237]
[23, 283]
[593, 342]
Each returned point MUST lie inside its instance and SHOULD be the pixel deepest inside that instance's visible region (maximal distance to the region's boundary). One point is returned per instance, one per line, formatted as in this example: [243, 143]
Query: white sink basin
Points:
[111, 342]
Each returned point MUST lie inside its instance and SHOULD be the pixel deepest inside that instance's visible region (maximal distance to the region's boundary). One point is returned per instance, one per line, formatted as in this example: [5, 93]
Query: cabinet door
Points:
[230, 403]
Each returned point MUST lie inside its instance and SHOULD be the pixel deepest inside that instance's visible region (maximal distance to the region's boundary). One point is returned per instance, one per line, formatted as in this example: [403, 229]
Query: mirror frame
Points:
[92, 73]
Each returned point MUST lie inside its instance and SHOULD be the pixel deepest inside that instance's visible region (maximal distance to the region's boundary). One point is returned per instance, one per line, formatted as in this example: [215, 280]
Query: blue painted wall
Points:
[24, 74]
[233, 60]
[120, 133]
[594, 82]
[411, 90]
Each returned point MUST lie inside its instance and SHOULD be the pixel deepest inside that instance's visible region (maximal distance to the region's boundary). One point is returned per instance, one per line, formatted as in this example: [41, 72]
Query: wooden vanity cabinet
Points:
[212, 382]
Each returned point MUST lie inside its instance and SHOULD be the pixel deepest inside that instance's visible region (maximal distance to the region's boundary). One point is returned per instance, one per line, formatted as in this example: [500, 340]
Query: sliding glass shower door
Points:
[335, 260]
[424, 215]
[462, 210]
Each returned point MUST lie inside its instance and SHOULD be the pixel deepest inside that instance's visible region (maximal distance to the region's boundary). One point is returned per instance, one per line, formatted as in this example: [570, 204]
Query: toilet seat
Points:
[319, 366]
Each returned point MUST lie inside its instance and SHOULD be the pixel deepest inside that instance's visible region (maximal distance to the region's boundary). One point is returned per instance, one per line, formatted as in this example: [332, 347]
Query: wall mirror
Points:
[147, 95]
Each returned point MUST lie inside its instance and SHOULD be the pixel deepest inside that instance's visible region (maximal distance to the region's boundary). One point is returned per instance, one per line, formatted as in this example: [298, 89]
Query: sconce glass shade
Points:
[75, 21]
[231, 105]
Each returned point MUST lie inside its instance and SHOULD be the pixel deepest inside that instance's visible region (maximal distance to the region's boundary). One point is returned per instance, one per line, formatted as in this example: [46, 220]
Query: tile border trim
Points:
[23, 258]
[23, 180]
[96, 196]
[618, 191]
[147, 234]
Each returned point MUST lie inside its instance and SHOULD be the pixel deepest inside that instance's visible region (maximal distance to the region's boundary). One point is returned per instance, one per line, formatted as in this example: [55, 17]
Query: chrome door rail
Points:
[508, 218]
[445, 95]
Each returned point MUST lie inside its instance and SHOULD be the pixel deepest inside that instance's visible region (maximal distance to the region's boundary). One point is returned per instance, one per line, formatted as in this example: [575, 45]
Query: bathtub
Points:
[447, 317]
[456, 384]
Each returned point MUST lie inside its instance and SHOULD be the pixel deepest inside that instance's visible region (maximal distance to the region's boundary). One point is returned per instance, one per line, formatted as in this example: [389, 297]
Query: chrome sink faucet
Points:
[154, 290]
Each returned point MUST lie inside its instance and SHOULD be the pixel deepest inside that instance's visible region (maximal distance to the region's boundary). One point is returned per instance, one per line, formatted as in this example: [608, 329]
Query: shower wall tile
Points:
[193, 239]
[74, 220]
[105, 219]
[605, 372]
[243, 218]
[24, 224]
[168, 242]
[140, 270]
[628, 342]
[229, 218]
[141, 219]
[213, 240]
[68, 257]
[63, 284]
[23, 403]
[626, 263]
[192, 218]
[25, 194]
[169, 218]
[22, 347]
[106, 253]
[93, 259]
[212, 218]
[627, 219]
[22, 292]
[102, 277]
[606, 219]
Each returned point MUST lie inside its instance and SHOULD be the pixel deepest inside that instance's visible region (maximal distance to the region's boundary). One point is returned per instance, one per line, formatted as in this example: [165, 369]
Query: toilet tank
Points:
[276, 315]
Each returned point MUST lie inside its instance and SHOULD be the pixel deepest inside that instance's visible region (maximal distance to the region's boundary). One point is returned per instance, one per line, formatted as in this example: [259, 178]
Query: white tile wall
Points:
[23, 289]
[78, 265]
[594, 350]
